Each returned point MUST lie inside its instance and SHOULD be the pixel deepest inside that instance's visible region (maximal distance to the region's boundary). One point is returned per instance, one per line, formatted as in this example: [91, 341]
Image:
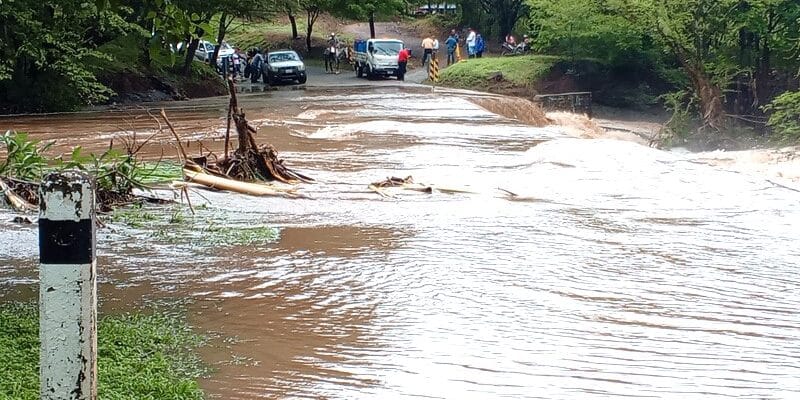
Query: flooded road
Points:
[618, 271]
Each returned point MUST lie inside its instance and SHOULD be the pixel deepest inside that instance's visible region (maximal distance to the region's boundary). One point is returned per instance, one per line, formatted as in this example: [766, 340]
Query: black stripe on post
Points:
[66, 242]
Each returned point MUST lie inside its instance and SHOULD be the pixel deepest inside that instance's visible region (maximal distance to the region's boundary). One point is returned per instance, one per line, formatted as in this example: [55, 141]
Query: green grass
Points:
[517, 70]
[139, 356]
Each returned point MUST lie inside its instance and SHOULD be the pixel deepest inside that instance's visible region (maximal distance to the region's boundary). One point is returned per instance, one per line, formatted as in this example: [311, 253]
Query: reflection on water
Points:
[620, 271]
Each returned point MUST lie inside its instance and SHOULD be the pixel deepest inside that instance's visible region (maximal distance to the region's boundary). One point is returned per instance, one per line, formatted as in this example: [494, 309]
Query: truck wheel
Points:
[359, 71]
[370, 75]
[302, 80]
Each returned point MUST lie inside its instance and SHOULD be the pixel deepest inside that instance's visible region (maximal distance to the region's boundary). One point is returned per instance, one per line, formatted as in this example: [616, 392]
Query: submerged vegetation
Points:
[179, 226]
[139, 356]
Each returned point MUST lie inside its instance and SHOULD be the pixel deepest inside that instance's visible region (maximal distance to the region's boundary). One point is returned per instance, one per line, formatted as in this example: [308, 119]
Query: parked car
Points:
[205, 50]
[285, 65]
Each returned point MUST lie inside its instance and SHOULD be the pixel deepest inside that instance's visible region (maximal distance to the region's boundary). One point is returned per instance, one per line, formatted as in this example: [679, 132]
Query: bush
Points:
[785, 116]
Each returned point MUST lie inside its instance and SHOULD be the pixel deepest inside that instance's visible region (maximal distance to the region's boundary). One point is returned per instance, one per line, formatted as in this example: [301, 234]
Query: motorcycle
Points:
[514, 50]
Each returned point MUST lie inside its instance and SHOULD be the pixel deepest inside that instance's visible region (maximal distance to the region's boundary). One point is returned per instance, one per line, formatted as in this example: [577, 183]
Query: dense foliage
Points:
[732, 57]
[785, 115]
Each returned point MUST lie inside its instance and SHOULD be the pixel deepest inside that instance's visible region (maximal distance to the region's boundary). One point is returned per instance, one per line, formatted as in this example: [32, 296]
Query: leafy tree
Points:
[785, 115]
[766, 38]
[290, 8]
[313, 9]
[586, 29]
[45, 47]
[229, 11]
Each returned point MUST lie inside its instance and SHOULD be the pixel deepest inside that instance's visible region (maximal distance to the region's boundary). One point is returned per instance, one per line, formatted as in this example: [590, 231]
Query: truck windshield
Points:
[388, 48]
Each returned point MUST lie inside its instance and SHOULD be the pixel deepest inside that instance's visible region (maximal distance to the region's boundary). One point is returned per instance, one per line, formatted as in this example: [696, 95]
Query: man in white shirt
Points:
[471, 42]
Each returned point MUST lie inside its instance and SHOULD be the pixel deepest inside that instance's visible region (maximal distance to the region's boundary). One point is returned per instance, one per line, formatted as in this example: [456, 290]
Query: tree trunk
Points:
[710, 95]
[187, 62]
[506, 21]
[762, 75]
[293, 20]
[312, 18]
[372, 25]
[223, 26]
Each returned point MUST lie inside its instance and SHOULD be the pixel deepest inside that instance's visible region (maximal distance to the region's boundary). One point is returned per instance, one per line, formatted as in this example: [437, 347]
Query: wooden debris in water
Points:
[17, 202]
[249, 163]
[220, 183]
[408, 183]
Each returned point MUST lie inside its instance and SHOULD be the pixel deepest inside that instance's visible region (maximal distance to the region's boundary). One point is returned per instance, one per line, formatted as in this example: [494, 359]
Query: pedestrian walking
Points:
[427, 50]
[452, 44]
[480, 46]
[471, 42]
[402, 63]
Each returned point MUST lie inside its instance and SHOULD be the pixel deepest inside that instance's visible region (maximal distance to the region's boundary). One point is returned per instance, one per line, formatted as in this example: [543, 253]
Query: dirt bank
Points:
[135, 87]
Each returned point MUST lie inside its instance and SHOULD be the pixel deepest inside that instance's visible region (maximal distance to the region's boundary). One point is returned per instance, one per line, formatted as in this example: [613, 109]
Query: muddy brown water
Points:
[622, 271]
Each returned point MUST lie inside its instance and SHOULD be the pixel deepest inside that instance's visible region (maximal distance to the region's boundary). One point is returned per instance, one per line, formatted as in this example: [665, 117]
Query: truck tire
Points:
[370, 75]
[359, 71]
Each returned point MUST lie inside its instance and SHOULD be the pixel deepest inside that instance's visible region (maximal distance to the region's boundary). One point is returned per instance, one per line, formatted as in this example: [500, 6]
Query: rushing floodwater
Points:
[620, 271]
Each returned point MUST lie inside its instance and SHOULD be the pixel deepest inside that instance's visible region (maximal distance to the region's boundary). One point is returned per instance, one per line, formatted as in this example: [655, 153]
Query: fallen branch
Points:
[216, 182]
[15, 201]
[175, 134]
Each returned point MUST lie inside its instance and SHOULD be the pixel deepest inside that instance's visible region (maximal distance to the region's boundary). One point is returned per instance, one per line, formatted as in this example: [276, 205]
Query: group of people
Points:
[474, 42]
[512, 44]
[255, 65]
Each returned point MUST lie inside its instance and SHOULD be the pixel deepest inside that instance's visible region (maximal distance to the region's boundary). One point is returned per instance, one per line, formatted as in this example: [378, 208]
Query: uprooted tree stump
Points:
[250, 161]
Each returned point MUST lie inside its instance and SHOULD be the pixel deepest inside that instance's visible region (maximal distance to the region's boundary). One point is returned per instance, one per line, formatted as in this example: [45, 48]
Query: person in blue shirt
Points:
[451, 44]
[480, 46]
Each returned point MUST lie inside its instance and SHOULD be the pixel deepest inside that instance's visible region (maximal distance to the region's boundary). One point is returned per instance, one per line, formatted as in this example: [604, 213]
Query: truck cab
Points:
[376, 57]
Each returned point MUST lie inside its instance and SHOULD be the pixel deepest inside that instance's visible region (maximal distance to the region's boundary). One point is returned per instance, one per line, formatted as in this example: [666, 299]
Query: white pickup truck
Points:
[376, 57]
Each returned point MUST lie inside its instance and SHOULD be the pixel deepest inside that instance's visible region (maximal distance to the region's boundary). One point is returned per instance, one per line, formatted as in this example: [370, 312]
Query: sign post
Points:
[67, 287]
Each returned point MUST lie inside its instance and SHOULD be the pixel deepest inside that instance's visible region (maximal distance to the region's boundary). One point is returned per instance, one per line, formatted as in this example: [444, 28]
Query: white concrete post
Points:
[67, 287]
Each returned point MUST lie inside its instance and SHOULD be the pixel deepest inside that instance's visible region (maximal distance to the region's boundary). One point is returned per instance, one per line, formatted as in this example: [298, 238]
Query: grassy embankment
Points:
[527, 76]
[498, 74]
[139, 356]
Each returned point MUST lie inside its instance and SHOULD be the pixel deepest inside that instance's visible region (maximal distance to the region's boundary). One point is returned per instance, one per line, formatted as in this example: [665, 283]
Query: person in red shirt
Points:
[402, 63]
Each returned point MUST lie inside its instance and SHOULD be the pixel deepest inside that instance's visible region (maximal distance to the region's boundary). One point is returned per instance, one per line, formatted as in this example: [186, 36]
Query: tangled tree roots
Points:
[250, 162]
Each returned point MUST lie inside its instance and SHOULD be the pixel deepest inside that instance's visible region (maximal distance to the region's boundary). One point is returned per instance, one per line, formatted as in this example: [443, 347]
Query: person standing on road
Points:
[451, 43]
[402, 63]
[256, 66]
[471, 41]
[237, 64]
[264, 66]
[427, 47]
[480, 46]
